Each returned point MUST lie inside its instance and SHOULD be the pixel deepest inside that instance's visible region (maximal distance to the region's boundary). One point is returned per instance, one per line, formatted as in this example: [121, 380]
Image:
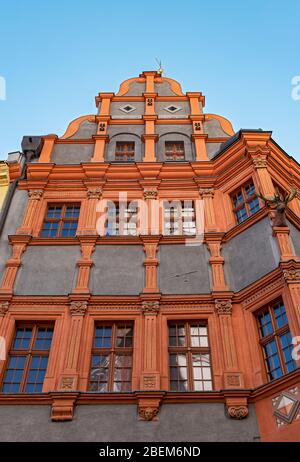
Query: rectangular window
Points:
[276, 340]
[121, 219]
[61, 220]
[28, 359]
[174, 150]
[179, 218]
[245, 202]
[124, 151]
[111, 366]
[189, 357]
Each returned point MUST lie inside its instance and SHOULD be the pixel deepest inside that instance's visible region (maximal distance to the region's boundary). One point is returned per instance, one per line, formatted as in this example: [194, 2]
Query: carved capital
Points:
[150, 193]
[3, 308]
[94, 193]
[223, 307]
[206, 192]
[238, 412]
[150, 307]
[78, 308]
[291, 274]
[35, 194]
[148, 413]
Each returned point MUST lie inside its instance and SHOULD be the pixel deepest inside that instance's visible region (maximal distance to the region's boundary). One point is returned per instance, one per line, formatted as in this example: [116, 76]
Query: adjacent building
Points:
[147, 293]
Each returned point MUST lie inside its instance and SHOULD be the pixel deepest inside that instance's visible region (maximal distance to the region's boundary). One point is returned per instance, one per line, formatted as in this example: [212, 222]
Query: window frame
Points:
[189, 350]
[111, 352]
[29, 353]
[174, 153]
[61, 220]
[127, 155]
[246, 200]
[275, 335]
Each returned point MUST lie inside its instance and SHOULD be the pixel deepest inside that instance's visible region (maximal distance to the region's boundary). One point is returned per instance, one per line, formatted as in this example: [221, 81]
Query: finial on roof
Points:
[161, 69]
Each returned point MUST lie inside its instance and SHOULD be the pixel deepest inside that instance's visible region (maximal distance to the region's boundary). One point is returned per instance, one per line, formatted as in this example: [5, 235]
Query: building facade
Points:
[147, 293]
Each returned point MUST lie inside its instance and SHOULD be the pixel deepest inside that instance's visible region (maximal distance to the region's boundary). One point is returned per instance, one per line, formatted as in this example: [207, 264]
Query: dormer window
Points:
[124, 151]
[174, 150]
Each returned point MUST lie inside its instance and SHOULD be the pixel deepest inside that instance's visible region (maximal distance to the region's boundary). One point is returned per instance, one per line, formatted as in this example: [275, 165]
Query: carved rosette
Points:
[206, 192]
[148, 413]
[150, 308]
[78, 308]
[67, 383]
[94, 193]
[150, 193]
[35, 194]
[238, 412]
[223, 307]
[292, 274]
[3, 308]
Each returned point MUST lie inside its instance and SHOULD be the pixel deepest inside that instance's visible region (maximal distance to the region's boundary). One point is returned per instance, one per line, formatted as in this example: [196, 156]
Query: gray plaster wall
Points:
[136, 89]
[85, 130]
[295, 235]
[117, 270]
[108, 423]
[174, 133]
[164, 89]
[14, 219]
[212, 149]
[72, 153]
[213, 129]
[183, 113]
[250, 255]
[47, 270]
[117, 113]
[184, 269]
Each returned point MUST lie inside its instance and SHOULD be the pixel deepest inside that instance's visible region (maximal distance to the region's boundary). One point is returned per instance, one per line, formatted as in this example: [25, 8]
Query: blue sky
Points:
[56, 56]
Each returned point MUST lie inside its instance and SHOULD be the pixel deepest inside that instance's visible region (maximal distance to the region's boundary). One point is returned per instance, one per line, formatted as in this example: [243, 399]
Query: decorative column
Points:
[150, 196]
[4, 306]
[148, 403]
[216, 261]
[84, 264]
[291, 275]
[69, 377]
[101, 138]
[94, 194]
[49, 141]
[150, 138]
[284, 243]
[19, 244]
[232, 377]
[207, 195]
[151, 263]
[35, 196]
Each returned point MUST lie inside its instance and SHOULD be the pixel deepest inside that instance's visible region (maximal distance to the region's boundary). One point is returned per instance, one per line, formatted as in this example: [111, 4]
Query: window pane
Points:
[103, 337]
[43, 338]
[265, 325]
[272, 360]
[99, 373]
[54, 211]
[124, 336]
[280, 315]
[250, 189]
[122, 372]
[14, 374]
[254, 206]
[287, 349]
[23, 338]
